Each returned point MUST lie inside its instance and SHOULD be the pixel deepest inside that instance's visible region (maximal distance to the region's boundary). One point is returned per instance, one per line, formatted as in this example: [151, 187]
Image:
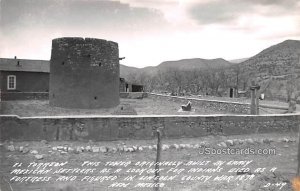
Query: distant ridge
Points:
[278, 59]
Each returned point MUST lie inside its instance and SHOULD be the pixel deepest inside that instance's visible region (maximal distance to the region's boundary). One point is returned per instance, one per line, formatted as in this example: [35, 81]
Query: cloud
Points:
[17, 15]
[226, 11]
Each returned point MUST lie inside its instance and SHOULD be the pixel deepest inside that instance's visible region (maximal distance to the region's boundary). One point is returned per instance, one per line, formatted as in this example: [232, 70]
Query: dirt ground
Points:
[184, 150]
[144, 106]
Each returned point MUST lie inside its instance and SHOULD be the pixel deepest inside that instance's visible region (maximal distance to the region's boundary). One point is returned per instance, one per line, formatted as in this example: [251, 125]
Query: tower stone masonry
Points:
[84, 73]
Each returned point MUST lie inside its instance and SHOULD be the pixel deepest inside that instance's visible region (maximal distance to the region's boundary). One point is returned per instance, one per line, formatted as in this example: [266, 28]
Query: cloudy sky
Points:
[150, 31]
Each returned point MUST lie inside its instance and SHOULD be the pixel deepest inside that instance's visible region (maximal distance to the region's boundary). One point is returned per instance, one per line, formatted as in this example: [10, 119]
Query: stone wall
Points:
[84, 73]
[108, 128]
[133, 95]
[228, 107]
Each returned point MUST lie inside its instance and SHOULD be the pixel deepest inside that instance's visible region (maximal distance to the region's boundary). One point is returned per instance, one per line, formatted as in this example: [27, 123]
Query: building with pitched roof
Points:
[24, 79]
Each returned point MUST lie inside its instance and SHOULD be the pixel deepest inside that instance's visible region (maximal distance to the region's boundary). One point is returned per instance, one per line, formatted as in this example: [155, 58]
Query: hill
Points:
[277, 60]
[271, 68]
[181, 65]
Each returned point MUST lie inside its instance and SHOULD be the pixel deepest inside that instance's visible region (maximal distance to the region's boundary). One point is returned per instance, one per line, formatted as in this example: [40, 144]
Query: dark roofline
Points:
[24, 59]
[24, 65]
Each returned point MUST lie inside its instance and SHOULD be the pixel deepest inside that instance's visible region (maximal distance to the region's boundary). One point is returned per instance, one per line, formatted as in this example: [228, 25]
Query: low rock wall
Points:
[104, 128]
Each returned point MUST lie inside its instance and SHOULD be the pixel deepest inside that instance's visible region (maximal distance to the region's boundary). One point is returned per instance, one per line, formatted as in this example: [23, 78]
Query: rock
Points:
[121, 149]
[203, 144]
[286, 146]
[236, 141]
[54, 148]
[63, 152]
[114, 149]
[21, 148]
[165, 147]
[285, 140]
[229, 143]
[135, 148]
[78, 150]
[267, 141]
[11, 148]
[176, 146]
[130, 149]
[222, 144]
[60, 147]
[1, 144]
[196, 146]
[95, 149]
[25, 150]
[182, 146]
[70, 149]
[257, 141]
[140, 148]
[88, 148]
[44, 141]
[26, 145]
[34, 152]
[11, 142]
[250, 141]
[103, 149]
[39, 157]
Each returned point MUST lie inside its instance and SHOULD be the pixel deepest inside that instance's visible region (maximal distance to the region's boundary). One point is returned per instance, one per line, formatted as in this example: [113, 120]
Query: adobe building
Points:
[130, 87]
[22, 79]
[84, 73]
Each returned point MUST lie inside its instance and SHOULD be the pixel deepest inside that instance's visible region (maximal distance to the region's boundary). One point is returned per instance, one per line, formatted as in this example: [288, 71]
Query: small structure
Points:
[22, 79]
[187, 107]
[232, 92]
[130, 87]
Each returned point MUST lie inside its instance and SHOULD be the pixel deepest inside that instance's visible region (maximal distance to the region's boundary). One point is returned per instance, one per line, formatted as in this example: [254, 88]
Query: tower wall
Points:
[84, 73]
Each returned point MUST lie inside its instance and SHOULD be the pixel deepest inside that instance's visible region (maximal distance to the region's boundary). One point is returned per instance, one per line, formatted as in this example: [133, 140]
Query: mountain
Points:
[126, 71]
[183, 65]
[238, 60]
[277, 60]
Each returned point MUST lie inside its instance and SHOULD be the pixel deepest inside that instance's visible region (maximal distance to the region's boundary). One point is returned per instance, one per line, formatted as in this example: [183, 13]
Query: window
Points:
[11, 82]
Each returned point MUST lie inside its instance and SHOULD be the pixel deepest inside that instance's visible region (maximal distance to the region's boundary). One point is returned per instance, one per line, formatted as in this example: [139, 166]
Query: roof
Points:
[24, 65]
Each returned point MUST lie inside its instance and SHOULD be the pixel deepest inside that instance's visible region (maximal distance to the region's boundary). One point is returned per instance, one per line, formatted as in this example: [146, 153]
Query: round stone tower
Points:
[84, 73]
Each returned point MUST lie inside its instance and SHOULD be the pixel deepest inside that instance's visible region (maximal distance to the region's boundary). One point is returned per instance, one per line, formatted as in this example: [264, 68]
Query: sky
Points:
[150, 31]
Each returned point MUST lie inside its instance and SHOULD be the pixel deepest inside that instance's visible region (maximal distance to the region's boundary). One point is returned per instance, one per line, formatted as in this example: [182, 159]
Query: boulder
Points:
[103, 149]
[39, 157]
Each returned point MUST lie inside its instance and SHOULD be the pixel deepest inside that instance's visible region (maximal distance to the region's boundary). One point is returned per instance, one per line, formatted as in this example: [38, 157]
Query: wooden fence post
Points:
[158, 156]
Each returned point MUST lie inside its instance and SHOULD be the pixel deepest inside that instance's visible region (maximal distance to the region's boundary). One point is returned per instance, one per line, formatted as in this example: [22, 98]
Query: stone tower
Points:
[84, 73]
